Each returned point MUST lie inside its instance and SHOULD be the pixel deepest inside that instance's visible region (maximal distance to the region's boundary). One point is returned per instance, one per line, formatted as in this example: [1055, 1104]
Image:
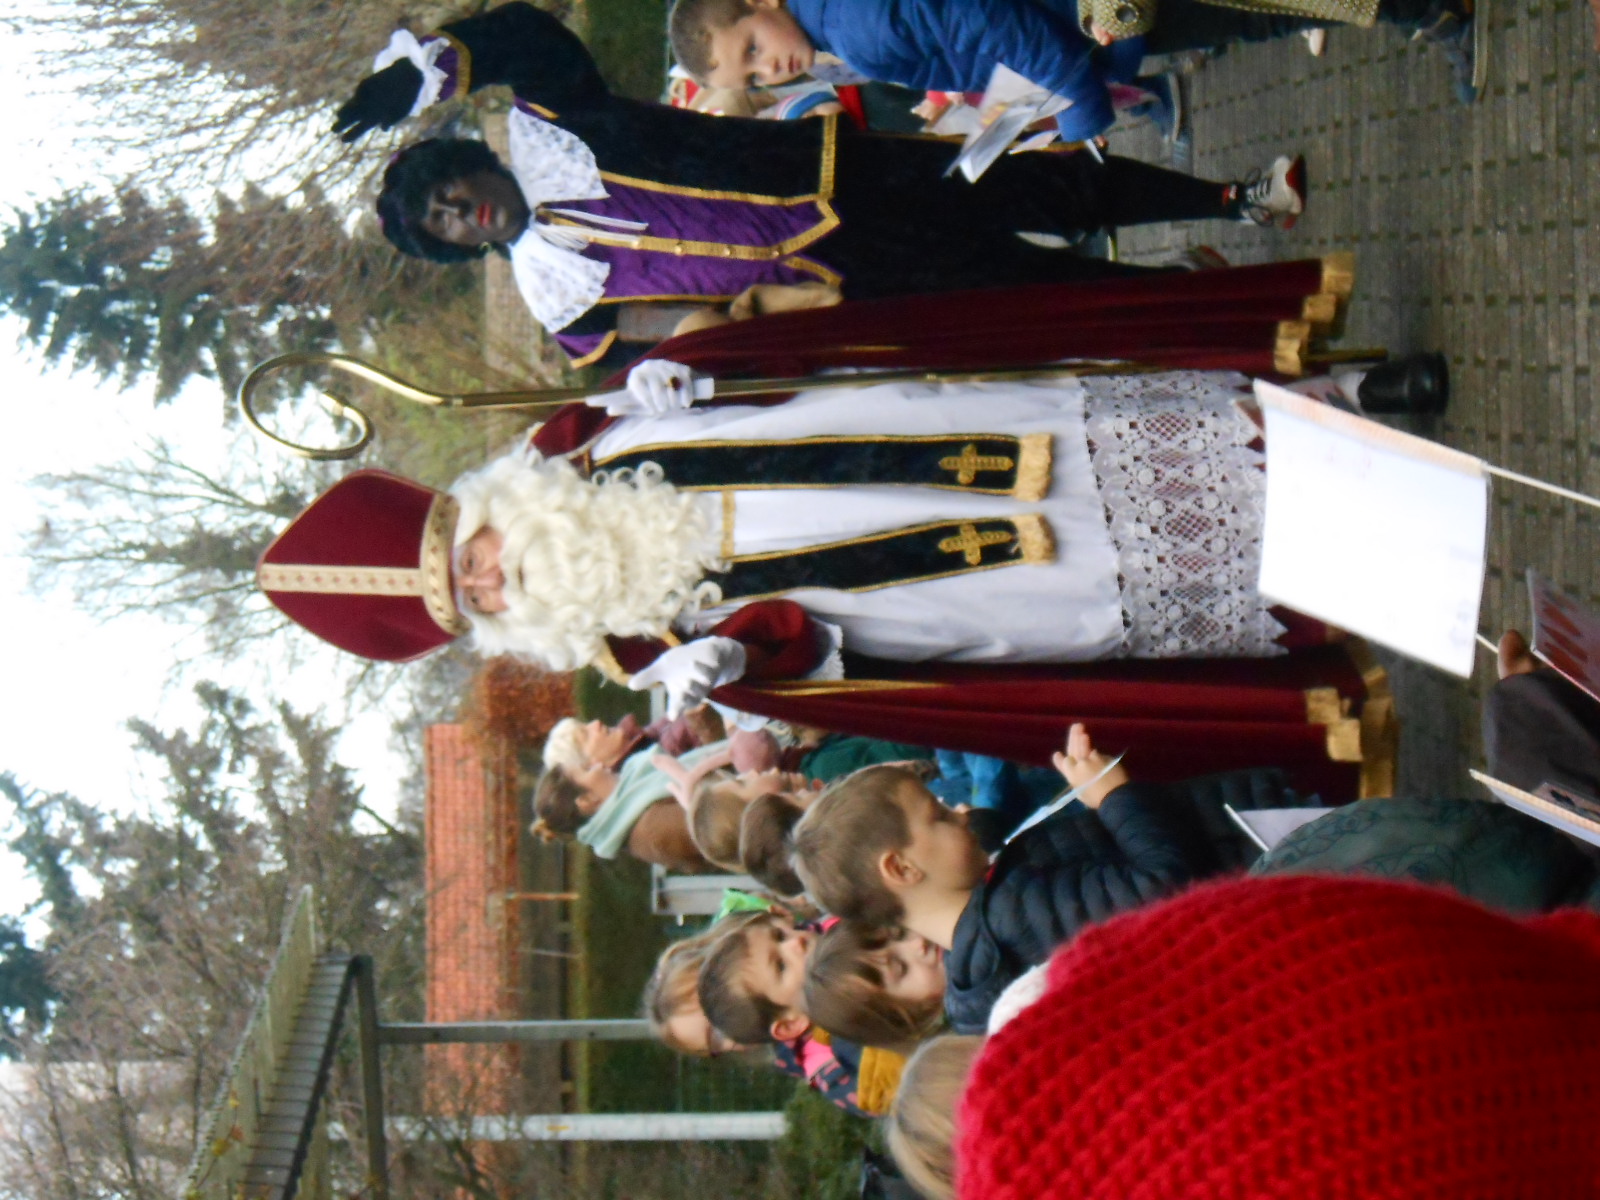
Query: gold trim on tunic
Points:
[463, 64]
[599, 352]
[728, 515]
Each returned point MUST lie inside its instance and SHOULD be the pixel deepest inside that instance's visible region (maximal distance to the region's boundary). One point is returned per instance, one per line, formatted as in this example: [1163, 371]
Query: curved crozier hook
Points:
[538, 401]
[337, 408]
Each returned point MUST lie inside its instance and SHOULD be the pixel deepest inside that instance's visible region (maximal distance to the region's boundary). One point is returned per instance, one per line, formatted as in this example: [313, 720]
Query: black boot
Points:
[1418, 384]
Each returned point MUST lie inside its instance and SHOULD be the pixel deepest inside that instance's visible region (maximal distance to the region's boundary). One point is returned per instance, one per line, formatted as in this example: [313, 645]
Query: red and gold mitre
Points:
[367, 567]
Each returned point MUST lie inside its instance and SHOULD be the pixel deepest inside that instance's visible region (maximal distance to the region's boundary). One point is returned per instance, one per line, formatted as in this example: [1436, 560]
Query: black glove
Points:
[382, 101]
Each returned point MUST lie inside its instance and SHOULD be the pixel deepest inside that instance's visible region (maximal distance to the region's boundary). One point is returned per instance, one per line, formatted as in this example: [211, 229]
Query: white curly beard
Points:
[621, 556]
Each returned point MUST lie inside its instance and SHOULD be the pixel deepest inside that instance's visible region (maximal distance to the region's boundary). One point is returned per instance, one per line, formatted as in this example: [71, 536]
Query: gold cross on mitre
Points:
[969, 462]
[970, 543]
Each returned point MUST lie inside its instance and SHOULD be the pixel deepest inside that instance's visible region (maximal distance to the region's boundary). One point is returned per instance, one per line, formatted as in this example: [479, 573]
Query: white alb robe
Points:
[1161, 521]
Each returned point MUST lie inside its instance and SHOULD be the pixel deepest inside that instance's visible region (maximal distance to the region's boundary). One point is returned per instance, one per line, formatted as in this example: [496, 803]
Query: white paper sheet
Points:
[1266, 827]
[1010, 104]
[1374, 530]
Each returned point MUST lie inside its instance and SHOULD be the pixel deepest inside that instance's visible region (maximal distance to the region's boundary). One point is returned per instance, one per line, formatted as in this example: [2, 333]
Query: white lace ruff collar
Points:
[550, 164]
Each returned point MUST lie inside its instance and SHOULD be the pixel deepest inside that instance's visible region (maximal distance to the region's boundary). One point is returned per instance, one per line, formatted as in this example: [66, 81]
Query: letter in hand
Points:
[1081, 762]
[381, 101]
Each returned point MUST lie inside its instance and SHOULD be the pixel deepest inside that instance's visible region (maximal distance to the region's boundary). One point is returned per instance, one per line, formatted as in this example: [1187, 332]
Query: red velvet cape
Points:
[1177, 717]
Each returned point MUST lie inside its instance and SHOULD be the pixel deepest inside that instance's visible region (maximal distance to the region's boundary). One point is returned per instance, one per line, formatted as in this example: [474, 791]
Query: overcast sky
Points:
[71, 684]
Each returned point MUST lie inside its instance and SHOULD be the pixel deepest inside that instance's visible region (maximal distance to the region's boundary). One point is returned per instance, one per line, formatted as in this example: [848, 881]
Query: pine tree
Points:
[130, 288]
[91, 278]
[26, 996]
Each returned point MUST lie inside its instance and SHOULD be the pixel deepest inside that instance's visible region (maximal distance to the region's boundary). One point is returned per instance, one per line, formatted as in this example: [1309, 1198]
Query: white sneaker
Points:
[1277, 196]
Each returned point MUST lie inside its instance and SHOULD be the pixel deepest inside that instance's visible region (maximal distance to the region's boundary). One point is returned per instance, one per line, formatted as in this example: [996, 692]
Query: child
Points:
[611, 206]
[672, 1006]
[879, 847]
[671, 1000]
[717, 801]
[766, 846]
[921, 1127]
[956, 47]
[718, 804]
[1319, 1037]
[915, 43]
[879, 987]
[751, 988]
[753, 979]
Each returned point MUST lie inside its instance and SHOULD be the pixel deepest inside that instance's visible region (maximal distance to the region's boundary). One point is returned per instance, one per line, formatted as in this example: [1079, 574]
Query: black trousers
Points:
[1196, 25]
[905, 228]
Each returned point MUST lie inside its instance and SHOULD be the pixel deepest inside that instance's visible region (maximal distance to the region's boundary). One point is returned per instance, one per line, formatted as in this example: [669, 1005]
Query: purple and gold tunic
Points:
[696, 248]
[724, 203]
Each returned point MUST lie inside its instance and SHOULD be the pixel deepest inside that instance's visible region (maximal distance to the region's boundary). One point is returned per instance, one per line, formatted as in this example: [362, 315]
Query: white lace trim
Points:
[1185, 498]
[550, 164]
[423, 56]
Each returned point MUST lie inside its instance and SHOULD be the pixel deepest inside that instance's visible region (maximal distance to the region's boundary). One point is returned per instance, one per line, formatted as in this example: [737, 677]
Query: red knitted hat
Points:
[1299, 1037]
[367, 567]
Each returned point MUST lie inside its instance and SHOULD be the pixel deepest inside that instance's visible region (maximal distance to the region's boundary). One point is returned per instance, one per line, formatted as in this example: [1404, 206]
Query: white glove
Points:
[656, 387]
[692, 671]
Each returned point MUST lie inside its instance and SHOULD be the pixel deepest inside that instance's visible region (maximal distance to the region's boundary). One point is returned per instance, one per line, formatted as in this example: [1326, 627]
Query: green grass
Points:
[628, 39]
[819, 1158]
[597, 696]
[621, 941]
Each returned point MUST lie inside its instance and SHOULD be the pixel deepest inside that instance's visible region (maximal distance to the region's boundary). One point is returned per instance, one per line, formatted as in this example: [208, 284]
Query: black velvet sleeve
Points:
[547, 65]
[531, 52]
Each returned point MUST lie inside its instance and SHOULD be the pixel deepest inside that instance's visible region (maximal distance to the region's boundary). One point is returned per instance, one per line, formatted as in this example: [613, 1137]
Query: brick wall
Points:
[472, 961]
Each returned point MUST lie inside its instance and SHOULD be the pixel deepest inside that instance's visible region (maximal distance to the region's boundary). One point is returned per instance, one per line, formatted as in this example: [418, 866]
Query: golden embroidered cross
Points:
[969, 462]
[970, 543]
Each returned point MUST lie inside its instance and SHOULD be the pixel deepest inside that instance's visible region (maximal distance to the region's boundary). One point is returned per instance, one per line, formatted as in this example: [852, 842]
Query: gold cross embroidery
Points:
[969, 462]
[970, 543]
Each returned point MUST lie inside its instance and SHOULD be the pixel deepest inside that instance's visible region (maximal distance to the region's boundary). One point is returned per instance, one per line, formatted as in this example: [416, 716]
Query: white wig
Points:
[620, 555]
[561, 747]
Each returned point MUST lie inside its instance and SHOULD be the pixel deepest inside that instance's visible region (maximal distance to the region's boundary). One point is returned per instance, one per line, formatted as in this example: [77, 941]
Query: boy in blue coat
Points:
[943, 45]
[955, 45]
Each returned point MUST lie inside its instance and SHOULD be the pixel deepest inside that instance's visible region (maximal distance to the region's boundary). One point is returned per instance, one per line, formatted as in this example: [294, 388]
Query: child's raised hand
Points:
[682, 780]
[1081, 762]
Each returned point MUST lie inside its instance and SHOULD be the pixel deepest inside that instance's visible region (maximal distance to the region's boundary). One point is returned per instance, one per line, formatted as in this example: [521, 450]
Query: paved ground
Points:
[1475, 233]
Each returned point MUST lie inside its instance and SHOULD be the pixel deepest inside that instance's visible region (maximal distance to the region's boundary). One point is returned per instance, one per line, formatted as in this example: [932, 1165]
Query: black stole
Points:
[864, 564]
[982, 463]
